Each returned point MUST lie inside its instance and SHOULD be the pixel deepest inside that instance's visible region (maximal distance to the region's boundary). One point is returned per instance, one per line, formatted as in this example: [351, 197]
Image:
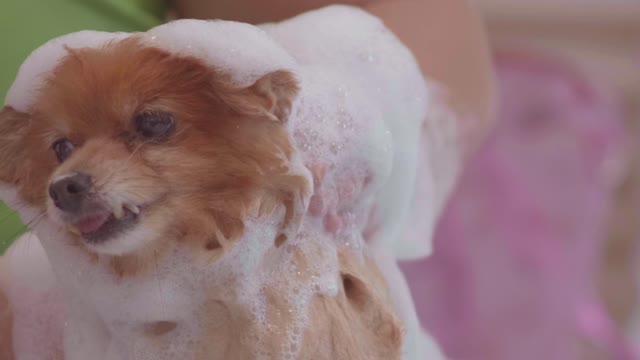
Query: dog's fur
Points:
[229, 156]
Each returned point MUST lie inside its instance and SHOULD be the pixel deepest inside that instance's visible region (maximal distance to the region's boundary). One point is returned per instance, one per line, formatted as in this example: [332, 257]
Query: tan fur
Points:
[357, 324]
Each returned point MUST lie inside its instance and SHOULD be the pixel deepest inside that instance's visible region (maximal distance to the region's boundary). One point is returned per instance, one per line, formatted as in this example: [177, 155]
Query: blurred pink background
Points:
[535, 254]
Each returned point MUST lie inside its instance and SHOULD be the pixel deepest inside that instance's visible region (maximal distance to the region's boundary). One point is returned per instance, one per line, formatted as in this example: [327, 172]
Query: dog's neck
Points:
[179, 292]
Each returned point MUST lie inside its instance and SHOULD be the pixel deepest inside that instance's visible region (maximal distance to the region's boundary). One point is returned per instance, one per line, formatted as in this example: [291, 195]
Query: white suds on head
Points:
[43, 60]
[241, 51]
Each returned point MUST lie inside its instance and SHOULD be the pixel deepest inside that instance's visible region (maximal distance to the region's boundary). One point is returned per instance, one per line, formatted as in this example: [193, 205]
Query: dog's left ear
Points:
[13, 128]
[272, 96]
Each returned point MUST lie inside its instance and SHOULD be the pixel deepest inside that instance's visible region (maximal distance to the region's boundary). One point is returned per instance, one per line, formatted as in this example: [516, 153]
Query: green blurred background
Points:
[27, 24]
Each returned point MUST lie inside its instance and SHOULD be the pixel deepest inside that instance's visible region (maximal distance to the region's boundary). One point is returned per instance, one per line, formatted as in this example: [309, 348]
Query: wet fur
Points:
[230, 157]
[357, 324]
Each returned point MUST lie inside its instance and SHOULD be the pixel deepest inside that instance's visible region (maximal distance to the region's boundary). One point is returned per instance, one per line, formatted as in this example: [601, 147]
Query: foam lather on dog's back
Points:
[364, 102]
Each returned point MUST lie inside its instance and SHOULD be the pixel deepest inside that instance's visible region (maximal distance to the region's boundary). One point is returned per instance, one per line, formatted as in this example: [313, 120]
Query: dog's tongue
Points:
[92, 223]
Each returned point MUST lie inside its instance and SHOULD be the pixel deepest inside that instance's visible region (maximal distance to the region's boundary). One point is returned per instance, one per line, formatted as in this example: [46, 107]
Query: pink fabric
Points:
[518, 247]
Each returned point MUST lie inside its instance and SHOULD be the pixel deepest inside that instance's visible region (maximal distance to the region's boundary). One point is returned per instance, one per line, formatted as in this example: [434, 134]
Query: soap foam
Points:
[373, 105]
[241, 51]
[36, 302]
[43, 60]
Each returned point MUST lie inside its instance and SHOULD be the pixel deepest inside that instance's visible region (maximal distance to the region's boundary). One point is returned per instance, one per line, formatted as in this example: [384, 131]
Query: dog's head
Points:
[126, 145]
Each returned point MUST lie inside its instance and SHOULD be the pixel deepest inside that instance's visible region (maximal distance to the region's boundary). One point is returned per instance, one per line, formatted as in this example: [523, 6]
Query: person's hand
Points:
[335, 193]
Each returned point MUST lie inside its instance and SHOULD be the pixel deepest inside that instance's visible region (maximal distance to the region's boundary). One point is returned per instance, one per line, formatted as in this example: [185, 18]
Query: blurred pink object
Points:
[518, 247]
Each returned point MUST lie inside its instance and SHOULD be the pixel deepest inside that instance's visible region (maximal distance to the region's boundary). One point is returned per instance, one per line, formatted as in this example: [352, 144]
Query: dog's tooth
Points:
[118, 212]
[133, 208]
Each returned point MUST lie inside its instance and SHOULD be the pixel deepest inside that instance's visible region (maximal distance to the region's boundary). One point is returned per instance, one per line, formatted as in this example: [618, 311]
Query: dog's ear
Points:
[13, 129]
[272, 95]
[277, 91]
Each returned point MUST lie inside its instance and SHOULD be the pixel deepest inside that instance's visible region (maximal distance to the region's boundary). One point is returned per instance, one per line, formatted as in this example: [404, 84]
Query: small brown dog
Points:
[136, 152]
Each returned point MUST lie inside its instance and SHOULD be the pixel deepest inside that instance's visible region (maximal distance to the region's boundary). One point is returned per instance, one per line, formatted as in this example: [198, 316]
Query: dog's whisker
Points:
[36, 220]
[110, 176]
[99, 186]
[15, 210]
[107, 178]
[176, 137]
[29, 240]
[30, 224]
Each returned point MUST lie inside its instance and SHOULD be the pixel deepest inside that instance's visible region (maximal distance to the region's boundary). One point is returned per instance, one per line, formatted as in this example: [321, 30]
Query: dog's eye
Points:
[63, 149]
[155, 125]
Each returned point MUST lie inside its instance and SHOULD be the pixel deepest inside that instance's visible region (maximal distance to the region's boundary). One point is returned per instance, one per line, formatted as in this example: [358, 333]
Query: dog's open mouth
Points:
[103, 225]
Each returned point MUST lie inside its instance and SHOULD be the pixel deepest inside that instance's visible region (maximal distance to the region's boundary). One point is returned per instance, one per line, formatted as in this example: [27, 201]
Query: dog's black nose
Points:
[69, 193]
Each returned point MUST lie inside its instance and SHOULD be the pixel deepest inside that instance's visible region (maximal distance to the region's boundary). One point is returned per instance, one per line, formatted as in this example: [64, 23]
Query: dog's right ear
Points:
[13, 129]
[272, 96]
